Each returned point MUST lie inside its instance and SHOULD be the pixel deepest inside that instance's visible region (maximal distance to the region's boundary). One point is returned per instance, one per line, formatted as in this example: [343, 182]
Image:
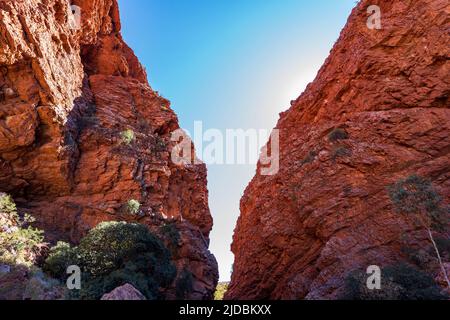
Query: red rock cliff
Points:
[327, 211]
[66, 95]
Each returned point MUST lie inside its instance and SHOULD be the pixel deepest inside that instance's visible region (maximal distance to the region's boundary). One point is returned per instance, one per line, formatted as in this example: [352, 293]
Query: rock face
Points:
[68, 92]
[377, 112]
[125, 292]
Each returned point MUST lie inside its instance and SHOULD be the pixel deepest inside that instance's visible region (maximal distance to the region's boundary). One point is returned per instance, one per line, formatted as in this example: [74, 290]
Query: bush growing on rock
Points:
[113, 254]
[20, 243]
[127, 136]
[133, 207]
[416, 198]
[415, 284]
[399, 282]
[7, 205]
[60, 258]
[337, 134]
[221, 290]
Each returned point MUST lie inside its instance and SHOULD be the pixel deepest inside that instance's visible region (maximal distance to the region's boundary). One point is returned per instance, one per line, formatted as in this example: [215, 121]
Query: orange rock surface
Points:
[126, 292]
[327, 212]
[66, 96]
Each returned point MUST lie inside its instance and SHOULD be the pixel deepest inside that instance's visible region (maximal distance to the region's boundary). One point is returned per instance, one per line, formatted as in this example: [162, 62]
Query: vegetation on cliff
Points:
[114, 254]
[222, 288]
[416, 198]
[400, 282]
[20, 242]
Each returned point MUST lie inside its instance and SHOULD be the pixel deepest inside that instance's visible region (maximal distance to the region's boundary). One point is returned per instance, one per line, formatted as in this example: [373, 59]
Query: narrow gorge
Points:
[86, 156]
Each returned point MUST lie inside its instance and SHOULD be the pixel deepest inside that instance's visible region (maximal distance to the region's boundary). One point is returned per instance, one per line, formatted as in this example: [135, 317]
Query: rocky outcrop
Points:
[126, 292]
[69, 93]
[377, 112]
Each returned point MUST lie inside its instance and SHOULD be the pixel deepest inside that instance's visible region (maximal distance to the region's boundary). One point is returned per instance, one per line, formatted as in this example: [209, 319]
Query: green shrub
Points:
[60, 258]
[415, 284]
[133, 207]
[184, 284]
[127, 136]
[416, 198]
[116, 253]
[337, 134]
[20, 243]
[341, 151]
[221, 289]
[355, 288]
[398, 282]
[7, 204]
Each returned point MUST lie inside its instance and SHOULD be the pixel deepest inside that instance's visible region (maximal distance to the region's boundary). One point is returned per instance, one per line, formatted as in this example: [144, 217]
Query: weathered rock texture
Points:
[66, 95]
[327, 211]
[125, 292]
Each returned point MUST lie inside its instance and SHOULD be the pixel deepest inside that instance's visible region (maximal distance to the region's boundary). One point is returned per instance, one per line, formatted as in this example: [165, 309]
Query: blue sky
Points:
[231, 64]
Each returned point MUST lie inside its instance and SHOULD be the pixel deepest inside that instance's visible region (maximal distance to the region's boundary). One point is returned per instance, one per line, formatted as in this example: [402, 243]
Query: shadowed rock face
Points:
[66, 95]
[327, 212]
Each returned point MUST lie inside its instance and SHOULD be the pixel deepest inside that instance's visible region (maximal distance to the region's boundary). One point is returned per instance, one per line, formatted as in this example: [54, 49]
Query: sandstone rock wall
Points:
[66, 96]
[327, 212]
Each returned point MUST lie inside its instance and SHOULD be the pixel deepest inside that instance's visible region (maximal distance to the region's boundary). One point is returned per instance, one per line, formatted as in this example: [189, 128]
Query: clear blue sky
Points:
[231, 64]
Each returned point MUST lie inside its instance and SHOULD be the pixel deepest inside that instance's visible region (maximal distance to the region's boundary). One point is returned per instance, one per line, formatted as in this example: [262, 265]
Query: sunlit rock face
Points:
[377, 112]
[69, 88]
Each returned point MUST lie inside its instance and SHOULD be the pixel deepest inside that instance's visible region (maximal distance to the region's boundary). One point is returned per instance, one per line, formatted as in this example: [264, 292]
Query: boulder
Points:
[125, 292]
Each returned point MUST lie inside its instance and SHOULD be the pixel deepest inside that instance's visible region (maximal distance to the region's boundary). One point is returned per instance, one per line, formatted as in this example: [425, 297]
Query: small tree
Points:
[221, 289]
[59, 259]
[113, 254]
[400, 282]
[416, 197]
